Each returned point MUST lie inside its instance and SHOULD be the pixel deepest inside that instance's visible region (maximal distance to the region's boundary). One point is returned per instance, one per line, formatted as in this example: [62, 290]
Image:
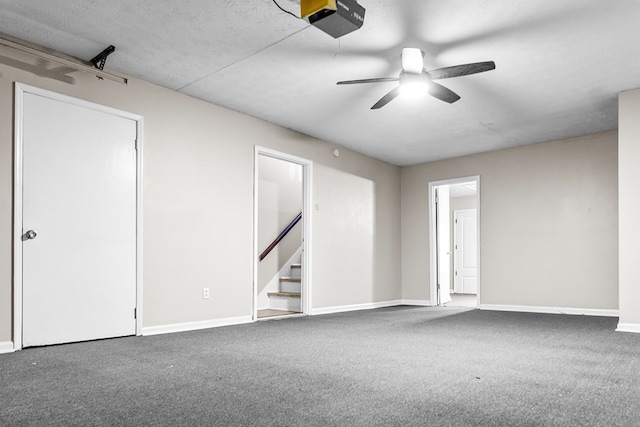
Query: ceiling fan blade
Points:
[377, 80]
[387, 98]
[461, 70]
[442, 93]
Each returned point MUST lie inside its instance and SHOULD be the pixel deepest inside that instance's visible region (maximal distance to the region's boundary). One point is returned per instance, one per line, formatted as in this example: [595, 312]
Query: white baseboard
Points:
[354, 307]
[628, 327]
[194, 326]
[6, 347]
[418, 302]
[551, 310]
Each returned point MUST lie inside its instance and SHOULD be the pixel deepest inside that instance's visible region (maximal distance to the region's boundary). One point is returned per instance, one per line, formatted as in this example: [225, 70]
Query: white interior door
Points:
[443, 232]
[79, 199]
[466, 251]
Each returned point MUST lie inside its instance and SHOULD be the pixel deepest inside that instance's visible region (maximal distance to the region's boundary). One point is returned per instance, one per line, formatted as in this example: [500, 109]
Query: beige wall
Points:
[198, 204]
[629, 191]
[548, 223]
[459, 203]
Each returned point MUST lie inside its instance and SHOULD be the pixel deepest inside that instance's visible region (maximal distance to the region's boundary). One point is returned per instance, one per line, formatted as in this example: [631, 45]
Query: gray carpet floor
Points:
[401, 366]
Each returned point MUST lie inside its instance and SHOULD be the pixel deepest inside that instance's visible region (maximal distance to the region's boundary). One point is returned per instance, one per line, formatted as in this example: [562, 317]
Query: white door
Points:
[79, 199]
[443, 233]
[466, 251]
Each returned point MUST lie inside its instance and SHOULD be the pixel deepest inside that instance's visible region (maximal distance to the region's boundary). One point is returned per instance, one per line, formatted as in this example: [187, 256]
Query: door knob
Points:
[30, 235]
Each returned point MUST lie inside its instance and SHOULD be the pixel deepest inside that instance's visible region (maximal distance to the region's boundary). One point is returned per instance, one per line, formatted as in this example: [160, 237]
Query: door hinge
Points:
[456, 272]
[135, 313]
[135, 143]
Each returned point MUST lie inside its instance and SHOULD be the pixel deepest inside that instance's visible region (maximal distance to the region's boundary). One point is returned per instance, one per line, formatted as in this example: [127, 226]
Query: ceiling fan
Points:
[413, 75]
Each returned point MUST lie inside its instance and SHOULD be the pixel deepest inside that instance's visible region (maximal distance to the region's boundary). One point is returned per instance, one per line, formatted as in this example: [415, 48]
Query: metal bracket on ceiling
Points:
[58, 57]
[100, 59]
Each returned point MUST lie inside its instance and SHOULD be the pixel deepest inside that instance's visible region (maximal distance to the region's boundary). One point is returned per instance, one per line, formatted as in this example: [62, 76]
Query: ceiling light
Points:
[414, 85]
[414, 90]
[413, 71]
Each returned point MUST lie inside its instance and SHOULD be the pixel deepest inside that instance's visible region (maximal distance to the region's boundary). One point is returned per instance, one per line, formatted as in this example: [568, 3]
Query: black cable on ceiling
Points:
[284, 10]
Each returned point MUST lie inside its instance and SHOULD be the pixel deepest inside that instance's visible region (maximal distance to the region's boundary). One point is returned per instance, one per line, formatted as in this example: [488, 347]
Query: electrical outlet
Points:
[205, 293]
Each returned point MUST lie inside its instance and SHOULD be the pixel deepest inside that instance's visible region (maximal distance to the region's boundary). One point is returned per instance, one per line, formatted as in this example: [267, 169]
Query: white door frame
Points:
[433, 259]
[20, 90]
[307, 174]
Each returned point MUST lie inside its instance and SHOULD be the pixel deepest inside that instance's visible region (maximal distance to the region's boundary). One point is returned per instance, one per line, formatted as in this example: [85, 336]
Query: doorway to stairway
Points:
[282, 235]
[454, 242]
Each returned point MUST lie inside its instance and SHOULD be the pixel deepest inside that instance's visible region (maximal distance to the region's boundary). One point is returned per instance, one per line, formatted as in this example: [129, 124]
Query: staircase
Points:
[288, 296]
[283, 294]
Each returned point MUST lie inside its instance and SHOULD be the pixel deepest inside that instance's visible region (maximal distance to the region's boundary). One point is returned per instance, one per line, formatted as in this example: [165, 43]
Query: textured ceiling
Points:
[559, 64]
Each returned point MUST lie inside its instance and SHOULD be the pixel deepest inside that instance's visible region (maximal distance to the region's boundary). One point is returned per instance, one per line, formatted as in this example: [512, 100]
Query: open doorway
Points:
[282, 231]
[454, 242]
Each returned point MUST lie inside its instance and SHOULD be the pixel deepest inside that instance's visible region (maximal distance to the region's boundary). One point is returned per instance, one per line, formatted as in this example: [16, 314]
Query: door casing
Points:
[433, 258]
[307, 175]
[19, 91]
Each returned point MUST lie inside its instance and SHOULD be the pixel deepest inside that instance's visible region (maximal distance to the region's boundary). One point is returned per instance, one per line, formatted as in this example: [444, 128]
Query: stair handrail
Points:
[281, 236]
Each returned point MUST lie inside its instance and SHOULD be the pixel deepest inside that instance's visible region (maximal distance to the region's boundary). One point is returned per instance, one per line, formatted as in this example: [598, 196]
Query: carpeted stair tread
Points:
[284, 294]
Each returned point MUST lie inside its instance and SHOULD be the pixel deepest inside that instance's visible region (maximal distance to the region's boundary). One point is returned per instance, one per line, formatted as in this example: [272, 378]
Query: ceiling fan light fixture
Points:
[413, 90]
[414, 80]
[412, 60]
